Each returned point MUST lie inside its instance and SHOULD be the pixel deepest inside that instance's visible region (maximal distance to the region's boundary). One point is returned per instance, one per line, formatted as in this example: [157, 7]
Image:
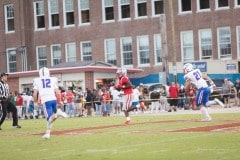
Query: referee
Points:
[6, 106]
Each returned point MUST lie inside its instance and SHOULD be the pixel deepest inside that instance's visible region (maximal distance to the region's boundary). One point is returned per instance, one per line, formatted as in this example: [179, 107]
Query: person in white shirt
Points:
[46, 88]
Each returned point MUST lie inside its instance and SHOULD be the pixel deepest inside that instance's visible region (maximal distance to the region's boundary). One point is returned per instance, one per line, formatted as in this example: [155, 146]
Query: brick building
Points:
[156, 36]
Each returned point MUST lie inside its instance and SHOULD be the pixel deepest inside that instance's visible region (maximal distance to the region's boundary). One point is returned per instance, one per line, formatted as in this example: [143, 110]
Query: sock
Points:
[48, 131]
[205, 112]
[128, 119]
[210, 103]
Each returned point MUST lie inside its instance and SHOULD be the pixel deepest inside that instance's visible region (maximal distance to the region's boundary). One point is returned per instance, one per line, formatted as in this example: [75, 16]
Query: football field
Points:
[165, 136]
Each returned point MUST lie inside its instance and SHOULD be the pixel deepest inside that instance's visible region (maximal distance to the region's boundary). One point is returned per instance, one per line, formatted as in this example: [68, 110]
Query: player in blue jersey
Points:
[46, 89]
[199, 80]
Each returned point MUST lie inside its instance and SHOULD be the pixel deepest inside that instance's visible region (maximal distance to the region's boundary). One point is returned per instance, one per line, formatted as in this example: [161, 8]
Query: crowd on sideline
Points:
[106, 101]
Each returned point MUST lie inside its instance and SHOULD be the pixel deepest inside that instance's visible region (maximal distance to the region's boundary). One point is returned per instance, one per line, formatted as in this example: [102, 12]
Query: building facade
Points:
[156, 36]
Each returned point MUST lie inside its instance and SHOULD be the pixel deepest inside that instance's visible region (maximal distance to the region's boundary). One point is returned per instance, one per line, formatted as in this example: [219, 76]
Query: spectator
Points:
[105, 102]
[173, 97]
[70, 106]
[135, 101]
[226, 91]
[192, 97]
[19, 104]
[237, 86]
[89, 102]
[115, 94]
[31, 109]
[155, 97]
[163, 99]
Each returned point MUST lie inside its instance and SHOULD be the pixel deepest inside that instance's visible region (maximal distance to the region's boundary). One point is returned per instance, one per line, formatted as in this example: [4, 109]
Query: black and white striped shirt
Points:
[4, 90]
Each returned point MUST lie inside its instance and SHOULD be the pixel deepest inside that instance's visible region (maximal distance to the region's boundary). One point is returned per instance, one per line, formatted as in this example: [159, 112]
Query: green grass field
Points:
[149, 137]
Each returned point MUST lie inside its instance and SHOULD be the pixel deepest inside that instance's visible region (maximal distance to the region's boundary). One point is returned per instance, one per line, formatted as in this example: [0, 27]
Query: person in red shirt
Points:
[70, 108]
[105, 101]
[192, 97]
[19, 104]
[123, 83]
[173, 97]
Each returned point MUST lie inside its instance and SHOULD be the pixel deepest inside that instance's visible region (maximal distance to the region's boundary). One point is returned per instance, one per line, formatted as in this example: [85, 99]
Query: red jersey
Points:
[69, 96]
[173, 91]
[19, 101]
[105, 97]
[122, 82]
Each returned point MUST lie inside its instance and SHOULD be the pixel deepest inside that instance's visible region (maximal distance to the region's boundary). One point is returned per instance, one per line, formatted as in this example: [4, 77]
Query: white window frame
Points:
[65, 14]
[104, 13]
[80, 13]
[120, 10]
[180, 8]
[8, 18]
[158, 46]
[153, 9]
[136, 8]
[35, 16]
[238, 41]
[139, 38]
[72, 56]
[187, 46]
[37, 55]
[82, 50]
[221, 8]
[203, 10]
[236, 5]
[200, 43]
[52, 53]
[110, 54]
[218, 43]
[13, 62]
[123, 52]
[50, 15]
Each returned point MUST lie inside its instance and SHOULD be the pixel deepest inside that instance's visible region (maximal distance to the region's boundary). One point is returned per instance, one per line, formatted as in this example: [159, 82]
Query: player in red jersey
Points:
[123, 83]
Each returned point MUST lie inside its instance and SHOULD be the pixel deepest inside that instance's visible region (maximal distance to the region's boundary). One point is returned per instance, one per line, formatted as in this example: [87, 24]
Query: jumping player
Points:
[46, 88]
[199, 79]
[123, 83]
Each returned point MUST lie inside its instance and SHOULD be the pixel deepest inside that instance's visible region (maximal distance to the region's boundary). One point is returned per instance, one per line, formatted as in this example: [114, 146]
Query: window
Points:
[124, 9]
[187, 46]
[143, 49]
[108, 10]
[224, 43]
[157, 7]
[126, 51]
[205, 43]
[86, 48]
[84, 13]
[41, 56]
[68, 12]
[184, 6]
[157, 48]
[141, 8]
[56, 54]
[203, 5]
[39, 15]
[54, 13]
[70, 52]
[9, 18]
[238, 40]
[221, 4]
[110, 51]
[237, 3]
[11, 60]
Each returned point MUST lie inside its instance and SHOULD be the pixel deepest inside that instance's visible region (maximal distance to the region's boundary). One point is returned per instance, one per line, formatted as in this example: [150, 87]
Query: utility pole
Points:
[173, 40]
[163, 32]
